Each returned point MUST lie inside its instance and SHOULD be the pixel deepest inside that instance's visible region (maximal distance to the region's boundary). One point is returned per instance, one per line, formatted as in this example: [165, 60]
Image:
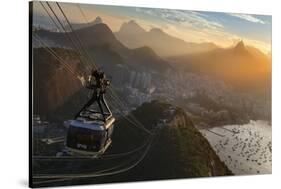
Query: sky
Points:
[223, 29]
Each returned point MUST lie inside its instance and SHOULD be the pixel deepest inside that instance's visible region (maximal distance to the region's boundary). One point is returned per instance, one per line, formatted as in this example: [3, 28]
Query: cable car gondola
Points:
[91, 130]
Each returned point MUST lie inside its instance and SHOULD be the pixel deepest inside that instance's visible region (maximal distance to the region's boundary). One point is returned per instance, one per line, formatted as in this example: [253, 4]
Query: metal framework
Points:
[98, 82]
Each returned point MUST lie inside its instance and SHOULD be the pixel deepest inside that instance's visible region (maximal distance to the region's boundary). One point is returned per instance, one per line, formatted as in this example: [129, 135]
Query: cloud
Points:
[193, 26]
[248, 18]
[185, 18]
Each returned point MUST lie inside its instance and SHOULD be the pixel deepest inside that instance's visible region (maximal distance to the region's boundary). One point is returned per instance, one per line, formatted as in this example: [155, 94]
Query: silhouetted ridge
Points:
[240, 48]
[98, 20]
[156, 30]
[131, 27]
[132, 35]
[145, 51]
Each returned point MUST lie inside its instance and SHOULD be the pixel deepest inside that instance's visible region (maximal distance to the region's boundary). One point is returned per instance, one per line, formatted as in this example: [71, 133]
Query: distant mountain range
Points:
[106, 50]
[133, 35]
[243, 67]
[77, 26]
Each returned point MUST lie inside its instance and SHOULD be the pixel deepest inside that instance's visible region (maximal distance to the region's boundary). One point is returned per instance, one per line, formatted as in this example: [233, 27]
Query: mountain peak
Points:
[156, 30]
[240, 45]
[240, 48]
[132, 22]
[98, 20]
[131, 27]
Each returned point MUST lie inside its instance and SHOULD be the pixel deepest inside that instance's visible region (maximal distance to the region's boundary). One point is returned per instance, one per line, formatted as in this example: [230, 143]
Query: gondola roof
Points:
[92, 124]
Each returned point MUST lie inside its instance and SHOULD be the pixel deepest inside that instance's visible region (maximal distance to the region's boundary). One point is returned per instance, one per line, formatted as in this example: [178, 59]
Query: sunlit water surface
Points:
[245, 149]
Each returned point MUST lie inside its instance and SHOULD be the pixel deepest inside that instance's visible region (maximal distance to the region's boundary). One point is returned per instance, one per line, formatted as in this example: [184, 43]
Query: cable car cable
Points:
[96, 175]
[80, 43]
[52, 20]
[72, 30]
[55, 55]
[65, 31]
[65, 17]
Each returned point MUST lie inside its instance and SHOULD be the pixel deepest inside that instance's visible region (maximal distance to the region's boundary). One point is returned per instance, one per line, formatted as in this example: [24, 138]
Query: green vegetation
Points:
[178, 150]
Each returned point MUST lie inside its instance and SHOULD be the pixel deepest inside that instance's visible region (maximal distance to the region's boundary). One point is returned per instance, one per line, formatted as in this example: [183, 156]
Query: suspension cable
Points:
[115, 96]
[65, 31]
[113, 92]
[45, 9]
[72, 176]
[66, 66]
[73, 31]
